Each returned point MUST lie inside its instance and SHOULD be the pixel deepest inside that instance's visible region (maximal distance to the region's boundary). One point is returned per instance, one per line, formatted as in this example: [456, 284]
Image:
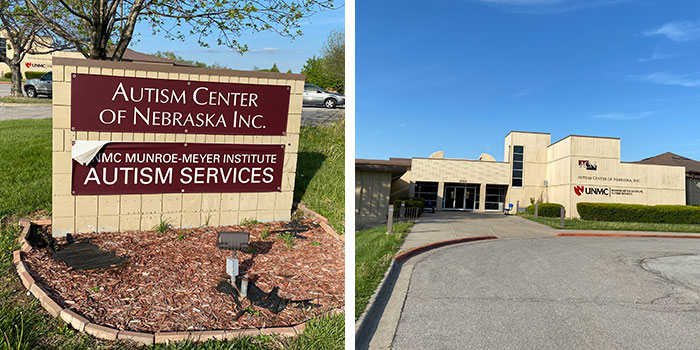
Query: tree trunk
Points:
[16, 89]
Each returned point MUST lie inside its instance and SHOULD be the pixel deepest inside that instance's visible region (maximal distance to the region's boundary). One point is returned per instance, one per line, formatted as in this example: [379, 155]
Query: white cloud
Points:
[677, 31]
[548, 6]
[266, 50]
[655, 56]
[665, 78]
[622, 116]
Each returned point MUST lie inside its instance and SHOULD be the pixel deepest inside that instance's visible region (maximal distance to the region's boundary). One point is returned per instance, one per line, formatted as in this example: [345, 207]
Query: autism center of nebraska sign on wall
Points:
[105, 103]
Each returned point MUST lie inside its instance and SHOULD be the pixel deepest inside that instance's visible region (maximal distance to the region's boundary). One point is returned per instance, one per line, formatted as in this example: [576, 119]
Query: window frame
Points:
[518, 165]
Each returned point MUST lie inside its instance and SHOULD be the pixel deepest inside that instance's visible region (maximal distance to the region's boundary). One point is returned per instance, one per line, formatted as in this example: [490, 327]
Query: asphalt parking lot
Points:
[554, 293]
[310, 115]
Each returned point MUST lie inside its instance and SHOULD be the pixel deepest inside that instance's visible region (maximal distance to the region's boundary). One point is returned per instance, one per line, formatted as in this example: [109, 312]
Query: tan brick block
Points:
[211, 201]
[265, 215]
[298, 86]
[282, 214]
[61, 93]
[290, 163]
[203, 77]
[162, 75]
[109, 205]
[93, 136]
[21, 267]
[118, 72]
[229, 138]
[68, 137]
[61, 226]
[257, 139]
[116, 136]
[247, 139]
[249, 201]
[172, 76]
[220, 138]
[241, 333]
[68, 73]
[95, 70]
[138, 337]
[108, 223]
[151, 203]
[294, 124]
[63, 206]
[130, 204]
[105, 136]
[228, 218]
[129, 222]
[295, 102]
[266, 200]
[190, 138]
[174, 219]
[300, 328]
[284, 200]
[27, 280]
[229, 201]
[85, 224]
[180, 138]
[37, 291]
[245, 215]
[234, 80]
[192, 202]
[211, 219]
[292, 143]
[83, 70]
[60, 117]
[171, 337]
[183, 76]
[138, 136]
[26, 247]
[61, 185]
[129, 73]
[288, 182]
[106, 71]
[203, 336]
[190, 220]
[57, 140]
[283, 331]
[57, 73]
[50, 306]
[76, 321]
[16, 257]
[262, 81]
[86, 205]
[149, 137]
[101, 332]
[127, 137]
[150, 221]
[200, 138]
[81, 135]
[209, 138]
[252, 80]
[150, 74]
[172, 202]
[62, 162]
[160, 137]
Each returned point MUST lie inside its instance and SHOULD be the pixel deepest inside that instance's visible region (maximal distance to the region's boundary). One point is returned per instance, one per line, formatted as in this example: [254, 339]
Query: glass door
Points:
[449, 201]
[460, 194]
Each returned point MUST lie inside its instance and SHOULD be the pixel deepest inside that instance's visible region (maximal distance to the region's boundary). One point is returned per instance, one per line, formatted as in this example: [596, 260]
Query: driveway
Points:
[311, 116]
[554, 293]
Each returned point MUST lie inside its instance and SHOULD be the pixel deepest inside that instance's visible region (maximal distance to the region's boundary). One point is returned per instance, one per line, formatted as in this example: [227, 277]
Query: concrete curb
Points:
[9, 104]
[322, 221]
[107, 333]
[635, 235]
[367, 323]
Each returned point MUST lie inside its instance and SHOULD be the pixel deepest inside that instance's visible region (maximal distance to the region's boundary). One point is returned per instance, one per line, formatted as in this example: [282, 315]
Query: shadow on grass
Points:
[308, 163]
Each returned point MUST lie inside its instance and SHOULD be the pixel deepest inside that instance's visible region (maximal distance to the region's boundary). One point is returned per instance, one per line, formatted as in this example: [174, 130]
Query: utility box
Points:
[233, 240]
[232, 266]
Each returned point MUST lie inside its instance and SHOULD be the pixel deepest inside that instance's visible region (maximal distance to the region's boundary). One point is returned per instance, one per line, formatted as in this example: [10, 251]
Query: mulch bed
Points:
[168, 281]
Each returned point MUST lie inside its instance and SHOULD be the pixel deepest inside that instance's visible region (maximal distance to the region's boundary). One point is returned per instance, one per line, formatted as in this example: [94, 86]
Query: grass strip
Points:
[25, 100]
[374, 250]
[578, 224]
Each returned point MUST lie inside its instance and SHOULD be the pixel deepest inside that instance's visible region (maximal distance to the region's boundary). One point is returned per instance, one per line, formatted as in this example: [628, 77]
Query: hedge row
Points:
[552, 210]
[33, 75]
[667, 214]
[8, 75]
[411, 202]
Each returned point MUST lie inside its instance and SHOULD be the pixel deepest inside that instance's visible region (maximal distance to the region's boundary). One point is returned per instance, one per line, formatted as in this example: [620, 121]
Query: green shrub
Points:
[8, 75]
[33, 75]
[551, 210]
[411, 202]
[665, 214]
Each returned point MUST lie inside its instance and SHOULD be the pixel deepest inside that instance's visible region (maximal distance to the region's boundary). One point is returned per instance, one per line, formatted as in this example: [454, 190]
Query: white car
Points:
[315, 96]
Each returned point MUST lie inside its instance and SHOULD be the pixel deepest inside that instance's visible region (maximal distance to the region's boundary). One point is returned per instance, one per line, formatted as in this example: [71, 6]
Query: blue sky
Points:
[265, 48]
[458, 76]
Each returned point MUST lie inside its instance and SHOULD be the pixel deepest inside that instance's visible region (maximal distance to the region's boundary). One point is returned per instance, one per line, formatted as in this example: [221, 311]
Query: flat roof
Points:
[585, 136]
[392, 164]
[527, 132]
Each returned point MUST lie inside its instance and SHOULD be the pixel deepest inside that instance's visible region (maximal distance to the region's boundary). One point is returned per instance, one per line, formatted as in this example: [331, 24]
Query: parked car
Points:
[41, 86]
[315, 96]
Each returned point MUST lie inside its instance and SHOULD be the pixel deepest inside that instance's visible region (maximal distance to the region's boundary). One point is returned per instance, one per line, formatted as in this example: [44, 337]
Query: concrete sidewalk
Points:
[446, 225]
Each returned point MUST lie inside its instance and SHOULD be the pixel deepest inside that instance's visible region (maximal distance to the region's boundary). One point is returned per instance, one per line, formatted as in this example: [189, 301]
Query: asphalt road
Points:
[555, 293]
[309, 116]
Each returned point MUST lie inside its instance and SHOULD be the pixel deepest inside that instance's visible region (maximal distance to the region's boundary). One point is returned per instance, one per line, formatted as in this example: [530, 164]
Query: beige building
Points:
[32, 63]
[572, 170]
[692, 173]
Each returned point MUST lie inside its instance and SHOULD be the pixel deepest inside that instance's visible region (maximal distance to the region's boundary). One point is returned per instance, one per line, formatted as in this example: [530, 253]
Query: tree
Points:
[328, 71]
[103, 29]
[273, 69]
[24, 35]
[175, 57]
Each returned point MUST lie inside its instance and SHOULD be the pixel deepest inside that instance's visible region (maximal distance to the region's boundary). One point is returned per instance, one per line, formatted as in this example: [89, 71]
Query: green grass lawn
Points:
[320, 180]
[26, 100]
[374, 249]
[25, 190]
[578, 224]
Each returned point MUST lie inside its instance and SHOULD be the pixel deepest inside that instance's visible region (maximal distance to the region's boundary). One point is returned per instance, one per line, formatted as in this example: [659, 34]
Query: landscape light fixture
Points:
[234, 241]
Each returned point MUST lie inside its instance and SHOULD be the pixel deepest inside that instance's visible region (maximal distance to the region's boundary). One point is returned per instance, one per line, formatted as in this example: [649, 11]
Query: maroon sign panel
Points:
[125, 104]
[140, 168]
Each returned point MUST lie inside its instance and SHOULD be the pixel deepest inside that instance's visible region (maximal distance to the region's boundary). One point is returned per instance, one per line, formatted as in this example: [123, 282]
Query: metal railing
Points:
[404, 214]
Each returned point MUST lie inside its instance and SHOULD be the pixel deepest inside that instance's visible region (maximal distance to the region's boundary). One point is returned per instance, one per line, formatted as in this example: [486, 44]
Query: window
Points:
[518, 152]
[3, 46]
[311, 88]
[427, 191]
[495, 195]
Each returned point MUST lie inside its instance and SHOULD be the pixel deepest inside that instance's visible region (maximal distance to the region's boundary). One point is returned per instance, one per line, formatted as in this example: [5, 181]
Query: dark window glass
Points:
[518, 149]
[517, 182]
[518, 165]
[518, 157]
[427, 191]
[517, 174]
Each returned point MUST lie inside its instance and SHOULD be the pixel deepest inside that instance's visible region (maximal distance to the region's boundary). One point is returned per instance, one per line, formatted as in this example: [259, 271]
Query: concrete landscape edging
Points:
[82, 324]
[322, 221]
[369, 320]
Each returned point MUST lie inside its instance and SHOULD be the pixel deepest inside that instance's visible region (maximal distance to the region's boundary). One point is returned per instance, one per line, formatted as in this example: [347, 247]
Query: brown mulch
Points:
[169, 284]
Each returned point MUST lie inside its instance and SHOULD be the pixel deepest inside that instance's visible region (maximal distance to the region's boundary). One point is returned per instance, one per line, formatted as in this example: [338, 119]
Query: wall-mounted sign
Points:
[125, 104]
[587, 165]
[144, 167]
[605, 191]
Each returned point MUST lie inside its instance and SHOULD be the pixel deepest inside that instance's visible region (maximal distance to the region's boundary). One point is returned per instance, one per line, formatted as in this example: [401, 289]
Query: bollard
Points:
[561, 219]
[517, 207]
[244, 286]
[390, 219]
[537, 208]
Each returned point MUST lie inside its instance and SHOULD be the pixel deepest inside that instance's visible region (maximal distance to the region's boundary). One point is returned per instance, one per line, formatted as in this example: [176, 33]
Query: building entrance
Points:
[461, 197]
